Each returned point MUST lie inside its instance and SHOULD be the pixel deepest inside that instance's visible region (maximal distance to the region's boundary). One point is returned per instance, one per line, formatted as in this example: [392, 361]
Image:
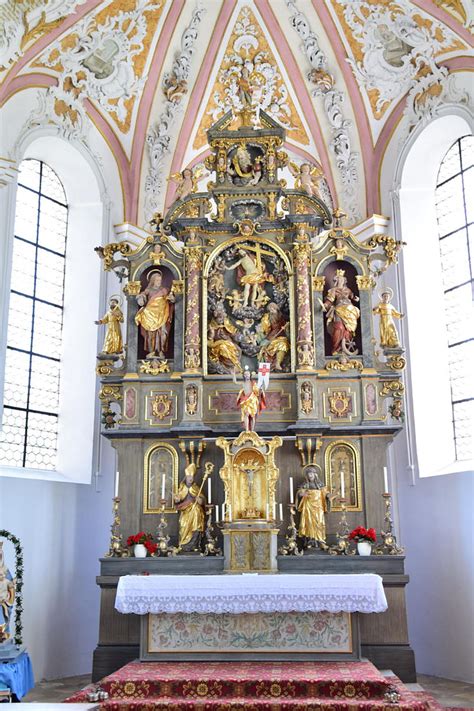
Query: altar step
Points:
[258, 686]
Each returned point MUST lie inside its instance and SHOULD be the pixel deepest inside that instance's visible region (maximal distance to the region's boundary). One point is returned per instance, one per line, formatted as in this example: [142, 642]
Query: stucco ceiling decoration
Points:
[24, 21]
[250, 67]
[392, 46]
[104, 59]
[462, 12]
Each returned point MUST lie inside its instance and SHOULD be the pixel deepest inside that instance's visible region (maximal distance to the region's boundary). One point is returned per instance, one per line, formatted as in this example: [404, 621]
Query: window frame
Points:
[30, 352]
[89, 224]
[441, 237]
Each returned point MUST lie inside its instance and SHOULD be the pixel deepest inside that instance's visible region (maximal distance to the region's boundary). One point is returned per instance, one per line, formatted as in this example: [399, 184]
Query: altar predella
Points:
[256, 388]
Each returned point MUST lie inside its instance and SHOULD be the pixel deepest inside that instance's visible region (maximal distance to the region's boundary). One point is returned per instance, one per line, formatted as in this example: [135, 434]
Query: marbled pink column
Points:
[192, 338]
[304, 331]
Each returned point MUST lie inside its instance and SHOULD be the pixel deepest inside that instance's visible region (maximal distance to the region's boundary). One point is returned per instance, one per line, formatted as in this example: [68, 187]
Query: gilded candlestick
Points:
[389, 545]
[162, 539]
[116, 548]
[342, 546]
[210, 545]
[291, 547]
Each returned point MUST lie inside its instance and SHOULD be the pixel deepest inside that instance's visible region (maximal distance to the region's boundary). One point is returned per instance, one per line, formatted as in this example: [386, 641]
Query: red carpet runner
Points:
[262, 686]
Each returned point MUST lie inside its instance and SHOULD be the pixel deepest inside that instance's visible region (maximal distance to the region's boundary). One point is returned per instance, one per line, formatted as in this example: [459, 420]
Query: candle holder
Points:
[291, 547]
[210, 545]
[389, 545]
[162, 539]
[342, 547]
[116, 548]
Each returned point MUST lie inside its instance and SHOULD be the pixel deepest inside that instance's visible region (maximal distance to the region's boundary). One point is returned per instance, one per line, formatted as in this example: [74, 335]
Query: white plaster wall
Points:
[64, 529]
[434, 512]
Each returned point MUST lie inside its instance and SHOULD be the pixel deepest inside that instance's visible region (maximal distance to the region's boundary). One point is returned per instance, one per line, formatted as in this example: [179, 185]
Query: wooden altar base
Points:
[258, 686]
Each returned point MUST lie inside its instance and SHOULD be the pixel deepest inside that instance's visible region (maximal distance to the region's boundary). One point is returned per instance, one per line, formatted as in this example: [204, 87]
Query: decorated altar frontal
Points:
[244, 616]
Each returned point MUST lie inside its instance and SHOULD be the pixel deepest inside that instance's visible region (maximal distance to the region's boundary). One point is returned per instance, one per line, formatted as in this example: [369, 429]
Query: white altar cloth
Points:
[142, 594]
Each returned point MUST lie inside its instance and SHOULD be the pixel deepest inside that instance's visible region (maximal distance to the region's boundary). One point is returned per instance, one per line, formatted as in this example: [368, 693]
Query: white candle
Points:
[117, 475]
[163, 485]
[292, 496]
[274, 511]
[268, 511]
[230, 512]
[280, 506]
[209, 490]
[223, 512]
[343, 487]
[217, 514]
[385, 480]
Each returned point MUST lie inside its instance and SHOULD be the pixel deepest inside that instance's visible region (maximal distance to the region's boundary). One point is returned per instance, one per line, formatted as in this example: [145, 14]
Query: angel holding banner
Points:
[251, 398]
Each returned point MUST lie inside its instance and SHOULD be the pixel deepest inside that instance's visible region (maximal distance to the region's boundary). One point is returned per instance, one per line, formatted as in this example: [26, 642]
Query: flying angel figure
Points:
[307, 177]
[187, 180]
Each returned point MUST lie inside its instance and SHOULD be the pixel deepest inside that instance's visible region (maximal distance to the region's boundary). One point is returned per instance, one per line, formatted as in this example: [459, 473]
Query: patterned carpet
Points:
[255, 686]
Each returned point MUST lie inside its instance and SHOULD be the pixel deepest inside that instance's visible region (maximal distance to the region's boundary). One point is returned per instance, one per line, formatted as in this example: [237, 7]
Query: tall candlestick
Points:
[230, 512]
[217, 514]
[292, 496]
[223, 512]
[163, 485]
[274, 511]
[117, 475]
[268, 511]
[343, 486]
[385, 480]
[280, 506]
[209, 490]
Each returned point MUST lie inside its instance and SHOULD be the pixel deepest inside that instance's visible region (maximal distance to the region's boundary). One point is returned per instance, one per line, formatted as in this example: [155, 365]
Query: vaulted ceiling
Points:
[153, 75]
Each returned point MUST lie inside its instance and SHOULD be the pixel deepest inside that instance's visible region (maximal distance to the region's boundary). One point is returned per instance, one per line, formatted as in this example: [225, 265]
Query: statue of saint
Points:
[251, 401]
[221, 347]
[275, 344]
[155, 315]
[7, 598]
[190, 504]
[342, 315]
[313, 502]
[387, 312]
[253, 276]
[241, 164]
[113, 343]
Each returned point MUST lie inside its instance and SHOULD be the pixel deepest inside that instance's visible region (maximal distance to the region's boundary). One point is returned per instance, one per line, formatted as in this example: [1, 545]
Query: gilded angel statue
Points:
[307, 177]
[187, 180]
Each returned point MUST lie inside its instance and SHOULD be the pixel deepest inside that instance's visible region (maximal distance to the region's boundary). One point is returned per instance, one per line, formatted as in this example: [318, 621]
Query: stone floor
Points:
[445, 691]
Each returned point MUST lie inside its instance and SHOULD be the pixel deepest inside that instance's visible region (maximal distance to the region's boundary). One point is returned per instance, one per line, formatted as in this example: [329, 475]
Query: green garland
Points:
[19, 583]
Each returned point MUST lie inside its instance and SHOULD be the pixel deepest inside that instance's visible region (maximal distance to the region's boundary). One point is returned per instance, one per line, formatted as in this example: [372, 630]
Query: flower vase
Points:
[139, 550]
[364, 548]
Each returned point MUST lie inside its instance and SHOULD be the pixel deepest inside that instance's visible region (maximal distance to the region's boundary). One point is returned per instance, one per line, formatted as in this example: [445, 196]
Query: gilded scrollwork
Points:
[392, 388]
[154, 367]
[396, 362]
[109, 394]
[132, 288]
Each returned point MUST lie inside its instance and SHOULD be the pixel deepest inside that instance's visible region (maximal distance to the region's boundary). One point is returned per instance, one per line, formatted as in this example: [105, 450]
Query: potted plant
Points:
[142, 544]
[365, 538]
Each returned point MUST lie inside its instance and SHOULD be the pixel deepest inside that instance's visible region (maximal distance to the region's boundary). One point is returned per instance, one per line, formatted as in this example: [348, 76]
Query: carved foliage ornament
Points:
[161, 406]
[103, 60]
[332, 100]
[159, 138]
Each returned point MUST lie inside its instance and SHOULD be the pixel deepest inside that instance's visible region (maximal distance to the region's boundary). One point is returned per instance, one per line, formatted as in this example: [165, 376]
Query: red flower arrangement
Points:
[363, 534]
[139, 538]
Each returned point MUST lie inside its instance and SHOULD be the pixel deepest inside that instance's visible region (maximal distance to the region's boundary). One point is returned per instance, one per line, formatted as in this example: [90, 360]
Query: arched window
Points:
[455, 215]
[34, 339]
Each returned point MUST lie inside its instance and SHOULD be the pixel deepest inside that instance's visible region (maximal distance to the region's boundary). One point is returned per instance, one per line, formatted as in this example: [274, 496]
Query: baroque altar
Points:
[251, 279]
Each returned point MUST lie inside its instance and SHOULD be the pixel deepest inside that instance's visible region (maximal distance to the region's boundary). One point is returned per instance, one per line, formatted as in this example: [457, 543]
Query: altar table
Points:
[252, 616]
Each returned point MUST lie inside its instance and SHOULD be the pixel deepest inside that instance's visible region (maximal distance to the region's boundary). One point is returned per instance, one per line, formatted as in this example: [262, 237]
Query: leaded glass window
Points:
[34, 340]
[455, 213]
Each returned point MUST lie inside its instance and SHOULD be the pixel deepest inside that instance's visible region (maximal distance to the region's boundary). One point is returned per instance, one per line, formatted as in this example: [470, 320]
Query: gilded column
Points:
[192, 338]
[302, 261]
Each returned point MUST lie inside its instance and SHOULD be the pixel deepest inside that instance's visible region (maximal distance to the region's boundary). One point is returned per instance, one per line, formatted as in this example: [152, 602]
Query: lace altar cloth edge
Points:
[235, 594]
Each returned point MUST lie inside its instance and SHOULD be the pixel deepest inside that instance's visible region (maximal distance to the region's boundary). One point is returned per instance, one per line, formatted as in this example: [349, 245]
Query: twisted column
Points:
[192, 336]
[302, 262]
